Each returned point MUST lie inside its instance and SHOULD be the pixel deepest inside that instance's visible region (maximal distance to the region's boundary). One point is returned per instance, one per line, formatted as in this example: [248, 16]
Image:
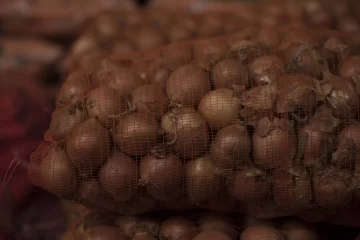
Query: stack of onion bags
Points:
[256, 124]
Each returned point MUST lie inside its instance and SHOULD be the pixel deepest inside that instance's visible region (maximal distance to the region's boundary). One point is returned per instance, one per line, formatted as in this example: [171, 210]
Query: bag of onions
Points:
[265, 123]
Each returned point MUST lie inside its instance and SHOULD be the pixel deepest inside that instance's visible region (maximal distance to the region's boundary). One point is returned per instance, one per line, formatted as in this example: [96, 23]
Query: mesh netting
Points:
[242, 126]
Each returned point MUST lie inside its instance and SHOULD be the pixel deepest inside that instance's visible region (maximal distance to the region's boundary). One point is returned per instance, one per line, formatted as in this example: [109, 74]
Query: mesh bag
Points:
[262, 122]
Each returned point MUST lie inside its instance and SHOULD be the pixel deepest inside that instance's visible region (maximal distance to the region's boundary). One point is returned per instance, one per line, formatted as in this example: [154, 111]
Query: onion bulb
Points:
[274, 143]
[119, 177]
[266, 69]
[350, 68]
[105, 103]
[88, 146]
[219, 107]
[231, 147]
[201, 181]
[257, 232]
[187, 85]
[136, 134]
[216, 222]
[186, 131]
[207, 52]
[294, 229]
[177, 229]
[228, 72]
[57, 174]
[162, 176]
[211, 234]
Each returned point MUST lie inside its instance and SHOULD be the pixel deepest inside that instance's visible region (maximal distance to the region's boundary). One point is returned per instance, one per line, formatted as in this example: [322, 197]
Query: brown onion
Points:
[266, 69]
[136, 134]
[147, 37]
[187, 85]
[119, 177]
[323, 120]
[76, 85]
[350, 68]
[186, 131]
[127, 225]
[105, 104]
[201, 179]
[246, 50]
[162, 176]
[292, 190]
[211, 234]
[269, 37]
[219, 107]
[63, 120]
[149, 99]
[261, 232]
[249, 184]
[57, 174]
[331, 188]
[177, 229]
[341, 94]
[230, 148]
[88, 146]
[217, 222]
[207, 52]
[228, 72]
[274, 143]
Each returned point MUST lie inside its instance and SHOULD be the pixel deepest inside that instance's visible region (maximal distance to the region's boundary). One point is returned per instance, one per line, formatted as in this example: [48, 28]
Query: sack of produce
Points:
[261, 122]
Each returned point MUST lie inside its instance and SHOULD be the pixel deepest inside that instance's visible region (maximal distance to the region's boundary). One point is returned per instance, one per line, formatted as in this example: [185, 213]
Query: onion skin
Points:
[292, 190]
[350, 68]
[250, 184]
[187, 85]
[104, 102]
[266, 69]
[149, 99]
[341, 94]
[258, 232]
[331, 189]
[177, 229]
[229, 72]
[201, 180]
[73, 89]
[119, 177]
[136, 134]
[88, 141]
[274, 143]
[187, 132]
[57, 174]
[127, 225]
[216, 222]
[246, 50]
[219, 107]
[231, 147]
[296, 93]
[63, 120]
[207, 51]
[162, 176]
[211, 235]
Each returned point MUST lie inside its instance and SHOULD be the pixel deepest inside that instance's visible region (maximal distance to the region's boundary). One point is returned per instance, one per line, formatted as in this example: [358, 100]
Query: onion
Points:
[105, 103]
[162, 176]
[106, 28]
[147, 37]
[350, 68]
[258, 102]
[179, 33]
[348, 24]
[136, 134]
[304, 58]
[269, 37]
[63, 120]
[340, 93]
[228, 72]
[231, 147]
[292, 190]
[217, 222]
[187, 85]
[331, 188]
[127, 225]
[323, 120]
[201, 180]
[207, 52]
[119, 177]
[149, 99]
[249, 184]
[88, 146]
[294, 229]
[266, 209]
[297, 94]
[219, 107]
[336, 45]
[262, 232]
[187, 132]
[274, 143]
[318, 146]
[143, 235]
[73, 89]
[57, 174]
[211, 235]
[177, 229]
[246, 50]
[102, 233]
[266, 69]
